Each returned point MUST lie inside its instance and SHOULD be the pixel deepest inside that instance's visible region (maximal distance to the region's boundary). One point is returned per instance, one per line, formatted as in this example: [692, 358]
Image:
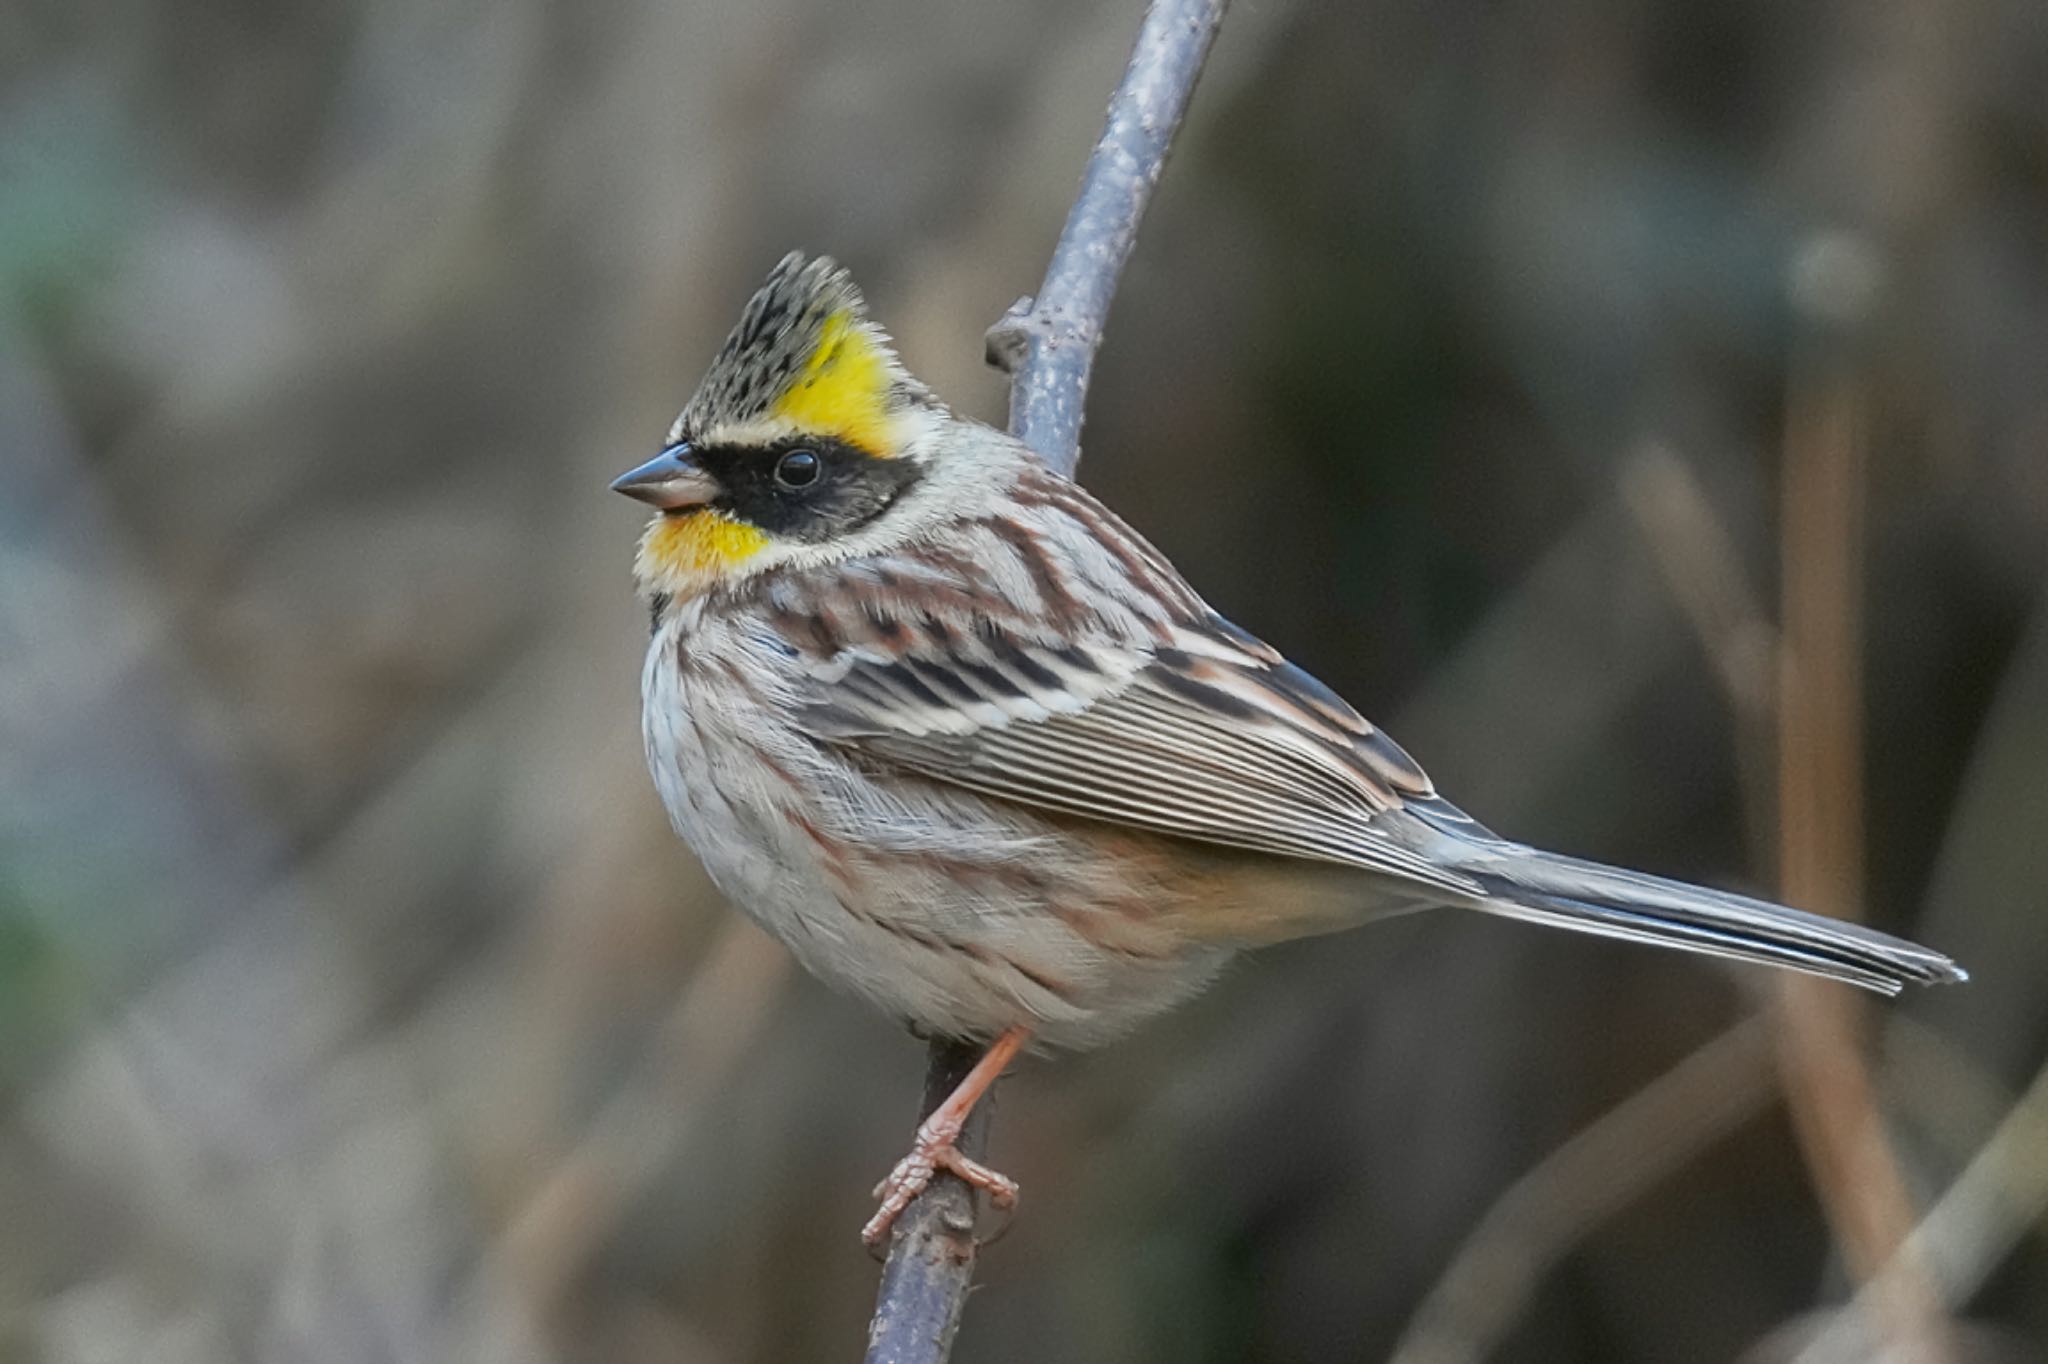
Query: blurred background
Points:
[1640, 406]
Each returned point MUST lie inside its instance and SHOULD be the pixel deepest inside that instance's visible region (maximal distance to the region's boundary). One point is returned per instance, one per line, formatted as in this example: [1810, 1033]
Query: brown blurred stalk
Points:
[1818, 712]
[1822, 1029]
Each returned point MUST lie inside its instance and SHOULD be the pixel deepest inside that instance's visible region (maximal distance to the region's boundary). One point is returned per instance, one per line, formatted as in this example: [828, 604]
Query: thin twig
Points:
[931, 1255]
[1047, 348]
[1046, 344]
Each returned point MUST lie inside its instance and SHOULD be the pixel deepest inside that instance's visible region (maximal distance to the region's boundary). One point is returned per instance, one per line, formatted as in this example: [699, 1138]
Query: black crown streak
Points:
[779, 331]
[852, 488]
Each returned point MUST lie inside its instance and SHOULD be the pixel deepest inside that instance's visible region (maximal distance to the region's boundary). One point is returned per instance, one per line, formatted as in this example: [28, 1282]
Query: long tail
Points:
[1525, 883]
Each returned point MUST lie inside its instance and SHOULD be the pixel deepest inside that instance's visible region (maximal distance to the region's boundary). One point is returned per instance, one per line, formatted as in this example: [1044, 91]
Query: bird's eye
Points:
[797, 469]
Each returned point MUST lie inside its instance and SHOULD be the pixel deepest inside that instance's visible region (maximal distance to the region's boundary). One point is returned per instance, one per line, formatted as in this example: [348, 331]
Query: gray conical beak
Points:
[670, 481]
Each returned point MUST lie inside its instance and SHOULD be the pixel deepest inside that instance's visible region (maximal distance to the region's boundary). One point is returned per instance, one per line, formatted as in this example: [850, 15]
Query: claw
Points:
[1001, 1189]
[914, 1173]
[934, 1149]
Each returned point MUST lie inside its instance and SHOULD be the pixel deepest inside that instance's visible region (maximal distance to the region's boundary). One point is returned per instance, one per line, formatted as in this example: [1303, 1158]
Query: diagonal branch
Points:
[931, 1253]
[1047, 347]
[1047, 344]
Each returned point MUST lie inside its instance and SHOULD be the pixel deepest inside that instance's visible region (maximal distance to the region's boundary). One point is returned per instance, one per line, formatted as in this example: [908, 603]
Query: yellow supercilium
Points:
[843, 390]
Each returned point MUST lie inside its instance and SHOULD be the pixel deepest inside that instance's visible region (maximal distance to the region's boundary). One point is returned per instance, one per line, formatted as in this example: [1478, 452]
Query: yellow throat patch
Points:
[695, 548]
[843, 390]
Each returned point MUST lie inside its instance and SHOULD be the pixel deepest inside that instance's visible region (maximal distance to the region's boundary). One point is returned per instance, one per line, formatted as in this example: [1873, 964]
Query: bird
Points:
[976, 752]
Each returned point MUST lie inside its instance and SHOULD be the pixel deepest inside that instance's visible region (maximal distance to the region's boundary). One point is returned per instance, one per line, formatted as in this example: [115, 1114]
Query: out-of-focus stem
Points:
[1820, 817]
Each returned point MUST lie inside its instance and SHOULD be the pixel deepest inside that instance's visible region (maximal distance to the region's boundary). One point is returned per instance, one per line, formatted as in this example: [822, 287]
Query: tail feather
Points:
[1524, 883]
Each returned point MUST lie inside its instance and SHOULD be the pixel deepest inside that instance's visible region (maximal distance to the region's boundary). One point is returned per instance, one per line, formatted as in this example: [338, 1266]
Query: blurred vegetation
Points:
[356, 1003]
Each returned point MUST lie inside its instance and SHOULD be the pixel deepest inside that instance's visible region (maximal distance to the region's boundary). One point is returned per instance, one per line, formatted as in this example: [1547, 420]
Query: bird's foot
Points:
[933, 1151]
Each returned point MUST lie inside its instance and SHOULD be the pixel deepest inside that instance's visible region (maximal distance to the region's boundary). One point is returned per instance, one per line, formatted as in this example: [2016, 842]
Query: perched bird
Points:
[974, 750]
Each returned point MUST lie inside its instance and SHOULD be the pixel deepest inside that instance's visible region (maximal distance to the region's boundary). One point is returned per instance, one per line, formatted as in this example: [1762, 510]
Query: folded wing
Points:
[1100, 687]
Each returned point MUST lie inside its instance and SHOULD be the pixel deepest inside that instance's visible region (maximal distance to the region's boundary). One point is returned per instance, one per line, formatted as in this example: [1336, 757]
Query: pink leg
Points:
[934, 1150]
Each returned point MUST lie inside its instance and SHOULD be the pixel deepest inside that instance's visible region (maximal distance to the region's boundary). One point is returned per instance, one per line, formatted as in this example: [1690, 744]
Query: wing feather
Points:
[1092, 681]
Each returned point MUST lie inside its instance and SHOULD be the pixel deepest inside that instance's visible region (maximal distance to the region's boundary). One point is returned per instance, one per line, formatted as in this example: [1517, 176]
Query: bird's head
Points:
[804, 433]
